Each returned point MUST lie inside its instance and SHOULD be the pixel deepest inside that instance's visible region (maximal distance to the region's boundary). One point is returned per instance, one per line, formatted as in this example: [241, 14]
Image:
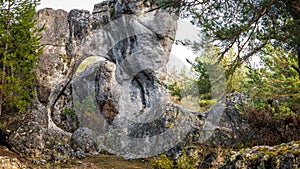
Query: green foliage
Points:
[273, 90]
[211, 78]
[246, 25]
[241, 29]
[205, 83]
[276, 84]
[175, 90]
[207, 103]
[202, 81]
[238, 30]
[19, 41]
[183, 89]
[86, 105]
[187, 160]
[69, 112]
[163, 162]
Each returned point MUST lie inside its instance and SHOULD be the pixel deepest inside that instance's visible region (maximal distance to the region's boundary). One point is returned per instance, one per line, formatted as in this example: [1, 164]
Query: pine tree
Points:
[246, 25]
[19, 51]
[276, 83]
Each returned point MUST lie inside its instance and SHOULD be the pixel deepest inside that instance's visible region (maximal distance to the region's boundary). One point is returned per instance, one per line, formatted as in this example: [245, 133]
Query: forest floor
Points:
[100, 161]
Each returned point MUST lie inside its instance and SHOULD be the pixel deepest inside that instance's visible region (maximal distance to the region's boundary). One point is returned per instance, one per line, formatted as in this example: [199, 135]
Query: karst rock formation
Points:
[99, 85]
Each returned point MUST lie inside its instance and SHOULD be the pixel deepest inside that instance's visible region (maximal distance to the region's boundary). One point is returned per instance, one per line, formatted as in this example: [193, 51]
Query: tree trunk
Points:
[7, 32]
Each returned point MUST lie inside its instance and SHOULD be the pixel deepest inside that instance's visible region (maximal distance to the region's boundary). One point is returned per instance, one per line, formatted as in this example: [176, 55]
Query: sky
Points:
[69, 4]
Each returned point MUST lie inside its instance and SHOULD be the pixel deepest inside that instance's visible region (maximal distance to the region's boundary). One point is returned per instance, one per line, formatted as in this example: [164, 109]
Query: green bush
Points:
[69, 112]
[187, 161]
[163, 162]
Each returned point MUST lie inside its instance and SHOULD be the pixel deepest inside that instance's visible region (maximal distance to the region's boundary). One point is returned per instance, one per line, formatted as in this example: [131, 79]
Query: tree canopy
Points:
[19, 51]
[246, 25]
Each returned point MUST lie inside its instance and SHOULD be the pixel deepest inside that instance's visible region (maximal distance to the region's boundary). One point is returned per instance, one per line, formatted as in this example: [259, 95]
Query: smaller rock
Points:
[9, 162]
[79, 154]
[79, 162]
[39, 161]
[84, 139]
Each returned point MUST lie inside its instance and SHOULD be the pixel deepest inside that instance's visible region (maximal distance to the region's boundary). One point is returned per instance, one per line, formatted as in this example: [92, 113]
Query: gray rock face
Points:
[284, 156]
[130, 105]
[54, 61]
[233, 126]
[98, 85]
[83, 138]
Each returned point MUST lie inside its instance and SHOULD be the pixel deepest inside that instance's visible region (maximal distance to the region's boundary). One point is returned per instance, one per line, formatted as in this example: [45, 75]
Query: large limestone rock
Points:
[99, 85]
[127, 103]
[284, 156]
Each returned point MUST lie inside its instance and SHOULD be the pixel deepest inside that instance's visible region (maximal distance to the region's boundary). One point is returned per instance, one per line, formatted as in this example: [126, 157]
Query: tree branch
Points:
[255, 20]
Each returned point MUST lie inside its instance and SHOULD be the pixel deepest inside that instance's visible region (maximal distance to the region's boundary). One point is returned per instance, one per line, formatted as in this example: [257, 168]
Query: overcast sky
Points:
[69, 4]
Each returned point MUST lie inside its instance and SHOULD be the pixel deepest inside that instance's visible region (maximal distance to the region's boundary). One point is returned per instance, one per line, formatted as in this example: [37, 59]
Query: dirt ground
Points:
[101, 161]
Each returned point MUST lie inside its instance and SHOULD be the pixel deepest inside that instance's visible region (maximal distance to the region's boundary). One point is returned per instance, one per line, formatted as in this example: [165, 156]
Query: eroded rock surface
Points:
[113, 102]
[284, 156]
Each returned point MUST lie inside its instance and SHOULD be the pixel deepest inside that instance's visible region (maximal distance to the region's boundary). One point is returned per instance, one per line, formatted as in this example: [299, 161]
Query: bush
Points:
[163, 162]
[271, 130]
